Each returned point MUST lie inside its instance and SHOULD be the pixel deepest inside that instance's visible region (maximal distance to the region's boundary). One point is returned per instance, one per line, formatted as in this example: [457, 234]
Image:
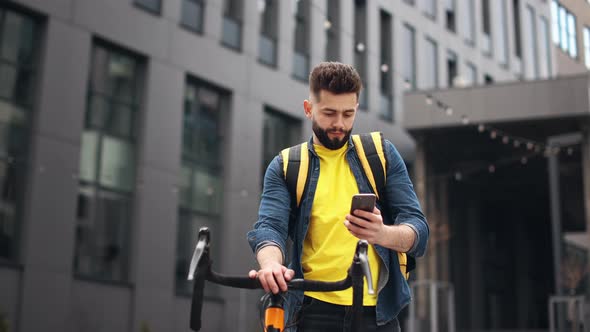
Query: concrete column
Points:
[156, 205]
[50, 201]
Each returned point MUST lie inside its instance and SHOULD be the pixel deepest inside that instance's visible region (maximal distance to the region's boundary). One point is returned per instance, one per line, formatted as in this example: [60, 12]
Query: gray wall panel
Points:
[162, 117]
[121, 22]
[99, 307]
[58, 8]
[62, 101]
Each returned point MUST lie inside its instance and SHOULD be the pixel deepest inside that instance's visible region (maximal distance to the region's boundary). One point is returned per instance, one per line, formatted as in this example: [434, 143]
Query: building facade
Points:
[130, 124]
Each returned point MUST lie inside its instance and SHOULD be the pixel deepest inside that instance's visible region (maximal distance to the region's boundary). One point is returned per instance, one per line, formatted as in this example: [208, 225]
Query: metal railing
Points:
[433, 322]
[567, 313]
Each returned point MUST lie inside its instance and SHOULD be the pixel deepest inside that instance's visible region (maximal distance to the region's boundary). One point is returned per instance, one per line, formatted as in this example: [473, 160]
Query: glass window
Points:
[200, 200]
[151, 5]
[267, 44]
[564, 29]
[431, 64]
[279, 131]
[19, 41]
[450, 15]
[232, 24]
[332, 26]
[409, 60]
[486, 19]
[385, 67]
[102, 234]
[301, 49]
[571, 32]
[517, 38]
[192, 14]
[452, 70]
[486, 27]
[360, 51]
[107, 165]
[471, 74]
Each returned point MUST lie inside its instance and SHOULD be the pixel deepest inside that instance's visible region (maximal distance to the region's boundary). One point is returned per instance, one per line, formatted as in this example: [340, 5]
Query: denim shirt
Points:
[400, 206]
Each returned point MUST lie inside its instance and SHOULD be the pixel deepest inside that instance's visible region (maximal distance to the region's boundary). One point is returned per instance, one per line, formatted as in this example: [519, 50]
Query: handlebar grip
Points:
[234, 281]
[319, 286]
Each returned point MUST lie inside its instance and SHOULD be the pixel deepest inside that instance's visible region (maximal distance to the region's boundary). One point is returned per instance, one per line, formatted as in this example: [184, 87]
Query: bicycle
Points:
[201, 270]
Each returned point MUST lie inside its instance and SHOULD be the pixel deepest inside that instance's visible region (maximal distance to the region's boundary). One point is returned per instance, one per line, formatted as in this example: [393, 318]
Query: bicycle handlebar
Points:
[200, 270]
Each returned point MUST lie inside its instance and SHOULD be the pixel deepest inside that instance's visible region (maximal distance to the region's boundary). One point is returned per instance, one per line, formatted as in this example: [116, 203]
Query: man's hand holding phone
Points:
[365, 221]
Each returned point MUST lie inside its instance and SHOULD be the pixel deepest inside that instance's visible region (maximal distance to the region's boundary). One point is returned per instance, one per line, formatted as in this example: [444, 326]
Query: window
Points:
[450, 15]
[19, 41]
[486, 27]
[280, 131]
[451, 68]
[232, 24]
[107, 165]
[200, 199]
[471, 74]
[587, 47]
[409, 60]
[301, 54]
[564, 29]
[150, 5]
[430, 8]
[332, 26]
[267, 44]
[533, 64]
[431, 64]
[517, 36]
[410, 2]
[469, 22]
[191, 16]
[360, 52]
[386, 96]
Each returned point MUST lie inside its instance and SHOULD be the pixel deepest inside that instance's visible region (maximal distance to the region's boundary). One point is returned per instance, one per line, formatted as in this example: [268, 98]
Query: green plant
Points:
[144, 327]
[4, 324]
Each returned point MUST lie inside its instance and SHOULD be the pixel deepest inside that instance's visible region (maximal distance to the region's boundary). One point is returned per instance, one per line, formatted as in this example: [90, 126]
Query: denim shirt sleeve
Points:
[402, 200]
[272, 225]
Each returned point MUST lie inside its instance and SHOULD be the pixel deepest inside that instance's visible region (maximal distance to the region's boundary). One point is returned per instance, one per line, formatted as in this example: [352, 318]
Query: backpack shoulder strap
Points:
[369, 148]
[295, 169]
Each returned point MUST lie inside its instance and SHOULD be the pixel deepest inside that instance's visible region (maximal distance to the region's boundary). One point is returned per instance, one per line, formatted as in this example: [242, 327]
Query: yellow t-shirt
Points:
[328, 247]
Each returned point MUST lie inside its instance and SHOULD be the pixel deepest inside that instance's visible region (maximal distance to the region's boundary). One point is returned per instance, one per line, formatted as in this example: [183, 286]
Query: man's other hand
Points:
[273, 277]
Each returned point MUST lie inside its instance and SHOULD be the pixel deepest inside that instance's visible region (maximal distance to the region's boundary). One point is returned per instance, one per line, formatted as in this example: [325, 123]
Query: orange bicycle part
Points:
[274, 319]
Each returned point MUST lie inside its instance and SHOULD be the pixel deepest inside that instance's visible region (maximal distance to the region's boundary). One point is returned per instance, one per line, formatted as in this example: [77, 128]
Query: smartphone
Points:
[365, 202]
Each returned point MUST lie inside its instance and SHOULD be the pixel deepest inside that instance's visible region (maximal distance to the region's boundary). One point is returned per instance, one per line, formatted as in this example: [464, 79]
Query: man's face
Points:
[332, 117]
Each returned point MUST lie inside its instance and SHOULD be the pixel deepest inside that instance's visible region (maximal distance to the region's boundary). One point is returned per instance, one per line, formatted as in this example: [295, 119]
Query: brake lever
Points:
[202, 245]
[361, 254]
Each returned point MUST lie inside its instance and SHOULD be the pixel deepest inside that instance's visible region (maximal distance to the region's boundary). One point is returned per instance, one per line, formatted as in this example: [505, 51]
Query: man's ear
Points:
[307, 108]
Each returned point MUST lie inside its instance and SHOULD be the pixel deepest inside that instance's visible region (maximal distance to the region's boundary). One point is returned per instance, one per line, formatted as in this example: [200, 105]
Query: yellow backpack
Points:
[369, 148]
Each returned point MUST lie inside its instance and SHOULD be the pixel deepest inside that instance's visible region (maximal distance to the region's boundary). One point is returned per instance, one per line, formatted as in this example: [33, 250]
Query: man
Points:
[324, 234]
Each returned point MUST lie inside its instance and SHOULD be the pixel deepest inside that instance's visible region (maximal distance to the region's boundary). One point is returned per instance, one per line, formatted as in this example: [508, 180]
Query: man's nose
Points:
[339, 121]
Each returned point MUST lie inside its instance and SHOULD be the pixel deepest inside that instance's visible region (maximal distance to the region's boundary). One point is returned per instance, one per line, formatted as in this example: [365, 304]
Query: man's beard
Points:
[332, 144]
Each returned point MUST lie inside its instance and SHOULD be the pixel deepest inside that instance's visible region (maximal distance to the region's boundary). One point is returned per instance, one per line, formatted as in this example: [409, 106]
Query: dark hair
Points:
[334, 77]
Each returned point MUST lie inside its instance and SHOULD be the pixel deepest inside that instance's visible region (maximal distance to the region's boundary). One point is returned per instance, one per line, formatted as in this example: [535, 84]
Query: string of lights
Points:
[532, 148]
